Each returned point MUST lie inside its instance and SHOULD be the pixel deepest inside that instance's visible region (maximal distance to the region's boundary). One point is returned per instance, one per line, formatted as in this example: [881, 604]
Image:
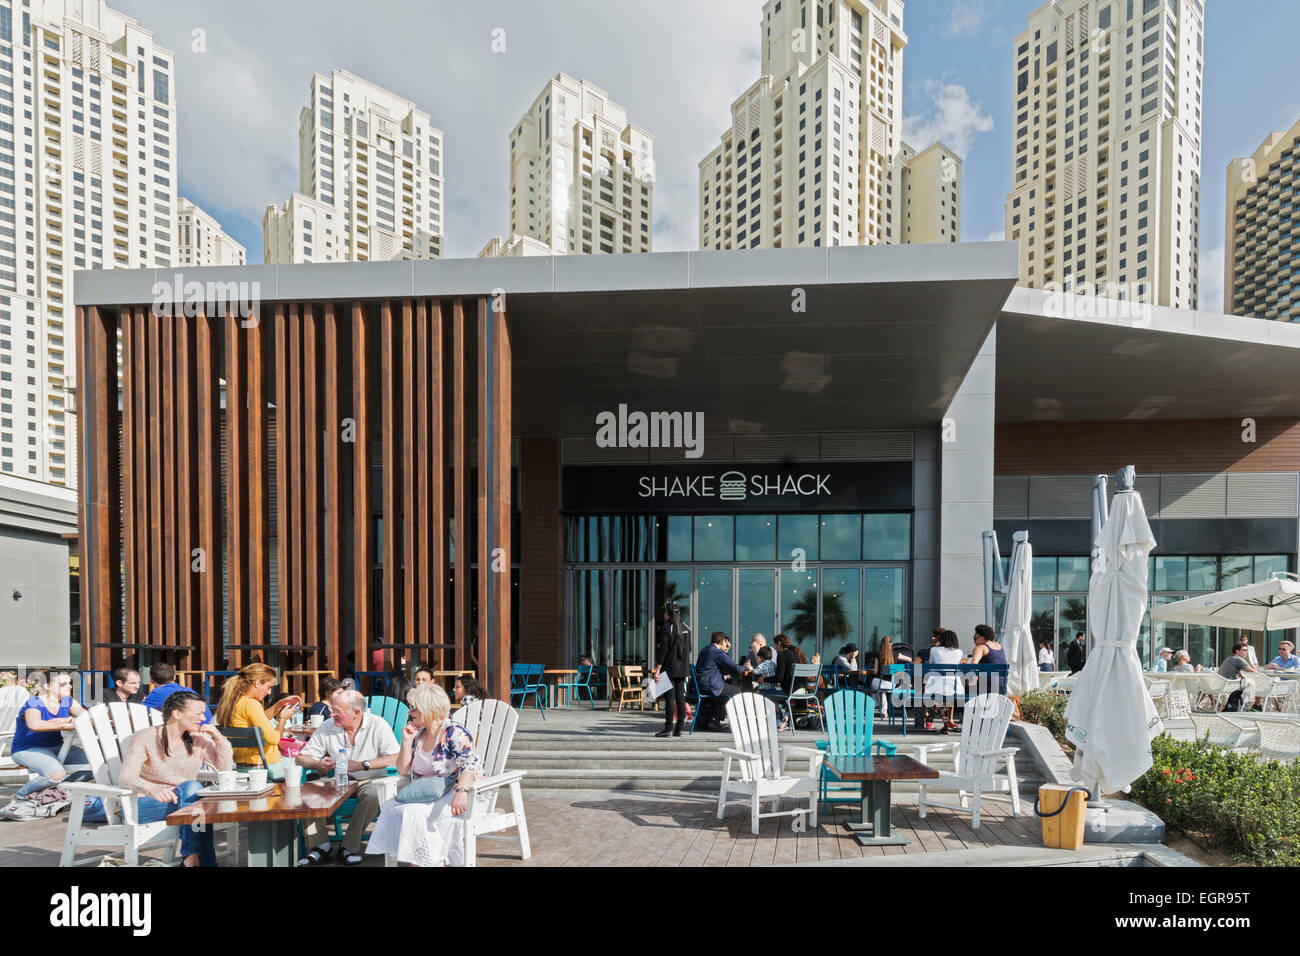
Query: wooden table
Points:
[873, 829]
[554, 692]
[272, 819]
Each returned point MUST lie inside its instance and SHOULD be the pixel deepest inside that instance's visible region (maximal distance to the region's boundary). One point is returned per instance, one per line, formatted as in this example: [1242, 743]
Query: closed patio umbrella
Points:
[1110, 717]
[1272, 605]
[1017, 640]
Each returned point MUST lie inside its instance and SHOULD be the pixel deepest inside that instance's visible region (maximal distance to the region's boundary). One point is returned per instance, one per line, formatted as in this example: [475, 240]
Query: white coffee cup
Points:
[227, 780]
[292, 774]
[317, 719]
[257, 778]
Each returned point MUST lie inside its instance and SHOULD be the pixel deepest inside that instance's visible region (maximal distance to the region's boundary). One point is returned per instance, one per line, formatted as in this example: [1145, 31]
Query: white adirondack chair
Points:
[977, 757]
[103, 732]
[761, 762]
[492, 725]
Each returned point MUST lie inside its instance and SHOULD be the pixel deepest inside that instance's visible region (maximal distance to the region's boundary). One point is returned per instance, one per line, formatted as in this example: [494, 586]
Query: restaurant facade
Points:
[807, 441]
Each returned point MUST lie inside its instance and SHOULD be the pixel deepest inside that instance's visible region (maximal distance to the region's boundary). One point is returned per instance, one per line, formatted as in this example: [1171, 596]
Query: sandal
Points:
[349, 858]
[315, 857]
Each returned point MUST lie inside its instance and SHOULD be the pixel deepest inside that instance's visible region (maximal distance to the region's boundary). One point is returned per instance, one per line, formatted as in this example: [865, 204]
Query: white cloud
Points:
[953, 118]
[1210, 273]
[997, 235]
[966, 18]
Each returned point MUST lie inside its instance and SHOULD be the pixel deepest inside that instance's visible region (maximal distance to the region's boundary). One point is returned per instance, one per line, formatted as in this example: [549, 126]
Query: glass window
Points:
[679, 538]
[1044, 574]
[841, 610]
[713, 593]
[1202, 574]
[1073, 614]
[714, 538]
[799, 608]
[756, 603]
[1073, 574]
[841, 537]
[797, 531]
[1200, 644]
[1266, 564]
[884, 607]
[756, 538]
[886, 537]
[1042, 624]
[1171, 574]
[1234, 571]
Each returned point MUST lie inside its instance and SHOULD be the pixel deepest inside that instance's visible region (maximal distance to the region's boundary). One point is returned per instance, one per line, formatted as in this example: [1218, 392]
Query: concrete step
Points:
[669, 780]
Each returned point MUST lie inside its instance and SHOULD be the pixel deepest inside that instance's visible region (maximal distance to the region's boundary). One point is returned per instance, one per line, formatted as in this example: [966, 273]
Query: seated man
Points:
[163, 678]
[1285, 660]
[713, 663]
[126, 687]
[372, 746]
[1162, 661]
[1232, 669]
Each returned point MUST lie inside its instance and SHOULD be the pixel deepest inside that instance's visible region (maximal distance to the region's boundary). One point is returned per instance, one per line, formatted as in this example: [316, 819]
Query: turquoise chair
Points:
[393, 712]
[579, 684]
[850, 721]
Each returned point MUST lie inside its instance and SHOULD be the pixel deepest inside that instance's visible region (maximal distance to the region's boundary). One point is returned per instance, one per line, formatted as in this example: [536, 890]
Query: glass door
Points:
[799, 609]
[884, 608]
[630, 625]
[755, 608]
[714, 604]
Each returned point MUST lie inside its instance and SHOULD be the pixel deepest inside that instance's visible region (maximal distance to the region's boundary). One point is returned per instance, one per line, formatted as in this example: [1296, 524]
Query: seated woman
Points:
[467, 690]
[325, 689]
[988, 651]
[941, 689]
[1183, 664]
[162, 764]
[439, 756]
[761, 677]
[38, 734]
[422, 675]
[846, 665]
[241, 706]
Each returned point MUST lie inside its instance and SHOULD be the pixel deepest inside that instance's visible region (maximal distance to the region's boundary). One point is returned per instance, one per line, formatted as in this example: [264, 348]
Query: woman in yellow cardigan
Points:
[241, 706]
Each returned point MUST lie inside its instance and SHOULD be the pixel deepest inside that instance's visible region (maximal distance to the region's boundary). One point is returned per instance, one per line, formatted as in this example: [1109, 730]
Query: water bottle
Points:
[341, 768]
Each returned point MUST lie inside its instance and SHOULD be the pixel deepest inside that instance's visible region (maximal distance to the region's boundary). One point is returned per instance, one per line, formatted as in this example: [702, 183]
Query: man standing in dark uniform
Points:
[673, 646]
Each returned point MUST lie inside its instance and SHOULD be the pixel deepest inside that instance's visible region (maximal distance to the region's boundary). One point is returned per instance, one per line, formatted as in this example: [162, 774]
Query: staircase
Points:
[620, 752]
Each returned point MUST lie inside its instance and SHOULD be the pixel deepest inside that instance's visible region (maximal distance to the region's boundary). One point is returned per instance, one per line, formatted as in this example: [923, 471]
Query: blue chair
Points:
[833, 680]
[850, 722]
[899, 698]
[693, 690]
[579, 684]
[207, 681]
[376, 677]
[799, 693]
[109, 683]
[526, 679]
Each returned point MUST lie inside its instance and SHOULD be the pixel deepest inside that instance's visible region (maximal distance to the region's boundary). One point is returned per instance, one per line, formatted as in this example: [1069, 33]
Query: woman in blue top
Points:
[38, 735]
[989, 651]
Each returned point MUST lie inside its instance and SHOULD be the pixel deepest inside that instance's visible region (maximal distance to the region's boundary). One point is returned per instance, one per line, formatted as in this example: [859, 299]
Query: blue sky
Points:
[676, 65]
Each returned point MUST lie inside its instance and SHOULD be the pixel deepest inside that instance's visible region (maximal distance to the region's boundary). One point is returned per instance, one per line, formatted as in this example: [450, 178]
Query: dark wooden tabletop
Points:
[312, 801]
[877, 768]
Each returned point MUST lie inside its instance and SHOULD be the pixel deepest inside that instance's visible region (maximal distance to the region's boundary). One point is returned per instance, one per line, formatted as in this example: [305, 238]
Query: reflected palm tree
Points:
[803, 626]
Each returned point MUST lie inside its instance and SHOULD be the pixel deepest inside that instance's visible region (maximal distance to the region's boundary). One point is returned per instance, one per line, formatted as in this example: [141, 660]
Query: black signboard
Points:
[731, 487]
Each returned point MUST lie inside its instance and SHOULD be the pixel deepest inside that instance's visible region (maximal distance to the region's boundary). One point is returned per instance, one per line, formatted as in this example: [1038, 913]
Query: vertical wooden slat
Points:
[209, 473]
[99, 562]
[460, 485]
[483, 489]
[130, 547]
[437, 517]
[421, 461]
[388, 437]
[311, 477]
[172, 634]
[410, 541]
[140, 449]
[500, 582]
[258, 570]
[294, 465]
[186, 499]
[361, 544]
[236, 463]
[283, 523]
[333, 505]
[157, 629]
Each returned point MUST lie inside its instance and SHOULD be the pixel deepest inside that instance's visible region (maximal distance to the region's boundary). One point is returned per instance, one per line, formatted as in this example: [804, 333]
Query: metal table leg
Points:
[272, 843]
[874, 827]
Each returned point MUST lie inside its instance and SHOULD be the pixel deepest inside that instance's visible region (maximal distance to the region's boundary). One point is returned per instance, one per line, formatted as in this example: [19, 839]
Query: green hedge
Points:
[1047, 709]
[1226, 800]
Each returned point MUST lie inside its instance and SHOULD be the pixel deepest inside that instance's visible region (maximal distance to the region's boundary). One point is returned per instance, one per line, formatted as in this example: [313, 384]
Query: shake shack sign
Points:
[722, 488]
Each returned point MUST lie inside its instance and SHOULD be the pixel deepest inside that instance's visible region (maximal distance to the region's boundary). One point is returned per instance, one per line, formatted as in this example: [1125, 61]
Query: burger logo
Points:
[731, 486]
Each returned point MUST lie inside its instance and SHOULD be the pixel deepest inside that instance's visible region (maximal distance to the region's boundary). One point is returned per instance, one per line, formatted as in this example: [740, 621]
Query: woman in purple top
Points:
[38, 735]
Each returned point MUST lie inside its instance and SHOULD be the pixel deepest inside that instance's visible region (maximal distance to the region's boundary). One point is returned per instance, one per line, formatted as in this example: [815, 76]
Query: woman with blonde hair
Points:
[424, 826]
[241, 706]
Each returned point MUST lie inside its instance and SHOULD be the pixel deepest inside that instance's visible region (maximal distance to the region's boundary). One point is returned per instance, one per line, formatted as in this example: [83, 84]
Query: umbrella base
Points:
[1121, 821]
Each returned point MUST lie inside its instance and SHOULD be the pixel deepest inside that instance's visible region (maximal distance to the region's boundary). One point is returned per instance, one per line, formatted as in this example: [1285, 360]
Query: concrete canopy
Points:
[772, 340]
[1063, 358]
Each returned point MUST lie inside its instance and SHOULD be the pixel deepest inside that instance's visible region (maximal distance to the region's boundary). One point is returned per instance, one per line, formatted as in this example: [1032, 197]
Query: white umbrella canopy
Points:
[1110, 717]
[1272, 605]
[1017, 641]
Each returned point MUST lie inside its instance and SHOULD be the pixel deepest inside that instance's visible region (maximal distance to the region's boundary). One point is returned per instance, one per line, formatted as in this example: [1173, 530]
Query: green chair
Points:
[850, 721]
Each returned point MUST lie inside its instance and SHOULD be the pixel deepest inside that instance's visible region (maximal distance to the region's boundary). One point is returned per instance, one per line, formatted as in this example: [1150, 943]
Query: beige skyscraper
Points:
[814, 155]
[1107, 148]
[88, 173]
[200, 240]
[930, 194]
[1261, 262]
[581, 176]
[370, 179]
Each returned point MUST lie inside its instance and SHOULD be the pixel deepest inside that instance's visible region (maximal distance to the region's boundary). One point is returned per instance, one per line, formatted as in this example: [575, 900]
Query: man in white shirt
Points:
[371, 745]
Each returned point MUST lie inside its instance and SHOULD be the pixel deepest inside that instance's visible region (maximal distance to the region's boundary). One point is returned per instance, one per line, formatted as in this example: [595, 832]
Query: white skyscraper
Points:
[581, 176]
[88, 173]
[370, 179]
[1107, 175]
[200, 240]
[813, 154]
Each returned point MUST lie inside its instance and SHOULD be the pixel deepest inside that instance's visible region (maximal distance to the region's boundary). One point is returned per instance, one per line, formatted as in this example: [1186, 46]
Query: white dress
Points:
[427, 834]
